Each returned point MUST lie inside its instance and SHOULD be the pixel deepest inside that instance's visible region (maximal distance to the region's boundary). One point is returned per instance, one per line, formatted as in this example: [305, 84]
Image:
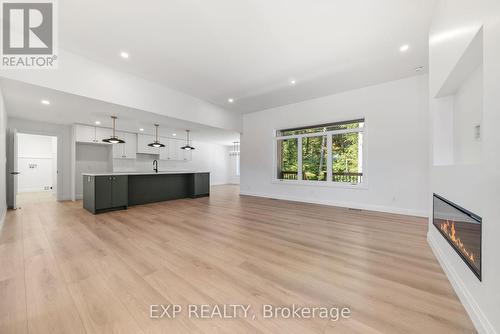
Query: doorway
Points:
[36, 162]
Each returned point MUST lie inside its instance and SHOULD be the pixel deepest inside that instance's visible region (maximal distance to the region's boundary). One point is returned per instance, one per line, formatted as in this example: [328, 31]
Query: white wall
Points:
[396, 139]
[473, 186]
[37, 151]
[468, 110]
[443, 131]
[90, 158]
[3, 158]
[63, 133]
[206, 157]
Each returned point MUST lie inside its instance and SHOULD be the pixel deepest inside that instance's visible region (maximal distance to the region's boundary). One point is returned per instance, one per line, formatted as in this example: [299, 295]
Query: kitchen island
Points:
[104, 192]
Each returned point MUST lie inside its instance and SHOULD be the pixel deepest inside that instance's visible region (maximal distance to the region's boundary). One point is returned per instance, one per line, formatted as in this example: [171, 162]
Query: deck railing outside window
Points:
[321, 153]
[336, 177]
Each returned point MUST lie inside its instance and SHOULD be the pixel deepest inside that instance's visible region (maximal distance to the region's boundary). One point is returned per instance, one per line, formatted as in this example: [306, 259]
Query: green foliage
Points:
[314, 158]
[345, 155]
[289, 152]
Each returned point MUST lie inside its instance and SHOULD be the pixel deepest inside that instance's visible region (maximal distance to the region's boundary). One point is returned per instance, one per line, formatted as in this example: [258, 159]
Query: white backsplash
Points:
[207, 157]
[144, 162]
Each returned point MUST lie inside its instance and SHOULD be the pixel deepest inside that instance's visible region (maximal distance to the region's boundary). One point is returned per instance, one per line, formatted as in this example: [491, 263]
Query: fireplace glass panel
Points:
[462, 229]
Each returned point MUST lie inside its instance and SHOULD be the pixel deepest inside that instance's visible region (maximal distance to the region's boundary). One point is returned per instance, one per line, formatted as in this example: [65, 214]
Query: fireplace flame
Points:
[449, 229]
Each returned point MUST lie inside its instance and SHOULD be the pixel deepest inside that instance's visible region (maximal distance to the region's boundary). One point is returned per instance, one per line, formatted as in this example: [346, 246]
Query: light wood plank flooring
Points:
[66, 271]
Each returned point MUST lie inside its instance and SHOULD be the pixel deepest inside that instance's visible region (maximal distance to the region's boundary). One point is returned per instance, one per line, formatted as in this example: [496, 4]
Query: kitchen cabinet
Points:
[105, 193]
[176, 152]
[142, 144]
[186, 155]
[102, 192]
[128, 150]
[164, 152]
[92, 134]
[200, 185]
[171, 150]
[85, 134]
[103, 133]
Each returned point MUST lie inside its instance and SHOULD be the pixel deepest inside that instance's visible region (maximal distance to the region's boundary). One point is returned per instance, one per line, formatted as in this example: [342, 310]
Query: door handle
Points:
[15, 173]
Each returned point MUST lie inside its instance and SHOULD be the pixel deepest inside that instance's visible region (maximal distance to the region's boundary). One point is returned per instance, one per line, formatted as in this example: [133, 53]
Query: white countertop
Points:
[144, 173]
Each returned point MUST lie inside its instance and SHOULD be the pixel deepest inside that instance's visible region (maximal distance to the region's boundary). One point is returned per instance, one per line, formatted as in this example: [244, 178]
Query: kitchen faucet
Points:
[155, 165]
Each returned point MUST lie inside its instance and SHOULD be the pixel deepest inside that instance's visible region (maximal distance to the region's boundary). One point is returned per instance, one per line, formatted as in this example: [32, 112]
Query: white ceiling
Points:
[23, 100]
[250, 50]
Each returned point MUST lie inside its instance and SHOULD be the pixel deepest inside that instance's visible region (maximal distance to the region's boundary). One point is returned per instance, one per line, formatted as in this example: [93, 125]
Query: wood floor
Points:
[34, 197]
[63, 270]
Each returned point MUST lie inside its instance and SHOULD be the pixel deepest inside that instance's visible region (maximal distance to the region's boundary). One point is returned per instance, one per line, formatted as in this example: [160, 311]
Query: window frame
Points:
[328, 183]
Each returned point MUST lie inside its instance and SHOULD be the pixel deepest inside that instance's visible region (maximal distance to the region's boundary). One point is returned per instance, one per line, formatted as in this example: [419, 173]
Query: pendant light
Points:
[236, 149]
[114, 139]
[187, 147]
[156, 143]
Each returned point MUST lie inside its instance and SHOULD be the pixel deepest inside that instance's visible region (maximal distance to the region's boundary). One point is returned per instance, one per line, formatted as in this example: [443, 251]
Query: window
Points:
[288, 159]
[347, 157]
[314, 158]
[326, 153]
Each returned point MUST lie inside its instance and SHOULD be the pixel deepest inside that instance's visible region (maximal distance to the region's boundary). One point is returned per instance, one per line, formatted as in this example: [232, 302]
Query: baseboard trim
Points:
[350, 205]
[219, 183]
[479, 319]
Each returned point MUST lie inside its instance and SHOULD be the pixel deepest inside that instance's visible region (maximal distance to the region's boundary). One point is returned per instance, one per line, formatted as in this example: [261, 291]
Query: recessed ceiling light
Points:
[124, 54]
[174, 134]
[46, 102]
[419, 69]
[141, 129]
[404, 48]
[293, 82]
[230, 100]
[97, 122]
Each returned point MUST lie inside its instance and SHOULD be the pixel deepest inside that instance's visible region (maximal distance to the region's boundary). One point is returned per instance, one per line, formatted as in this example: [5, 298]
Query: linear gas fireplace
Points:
[462, 229]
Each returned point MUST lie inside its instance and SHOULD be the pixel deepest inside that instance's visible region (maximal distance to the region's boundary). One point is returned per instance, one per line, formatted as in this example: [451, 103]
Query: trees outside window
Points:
[347, 162]
[327, 153]
[314, 158]
[288, 159]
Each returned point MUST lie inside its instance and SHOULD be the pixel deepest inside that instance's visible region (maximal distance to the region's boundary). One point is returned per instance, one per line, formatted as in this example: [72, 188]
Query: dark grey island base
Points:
[116, 191]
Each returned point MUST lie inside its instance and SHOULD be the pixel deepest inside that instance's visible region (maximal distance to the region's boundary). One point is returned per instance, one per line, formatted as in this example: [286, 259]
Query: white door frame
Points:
[12, 159]
[12, 168]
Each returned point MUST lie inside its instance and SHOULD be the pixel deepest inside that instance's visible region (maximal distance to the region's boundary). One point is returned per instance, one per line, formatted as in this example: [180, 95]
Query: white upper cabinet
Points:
[85, 134]
[164, 150]
[91, 134]
[102, 133]
[131, 146]
[186, 154]
[174, 147]
[172, 151]
[134, 143]
[142, 144]
[127, 150]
